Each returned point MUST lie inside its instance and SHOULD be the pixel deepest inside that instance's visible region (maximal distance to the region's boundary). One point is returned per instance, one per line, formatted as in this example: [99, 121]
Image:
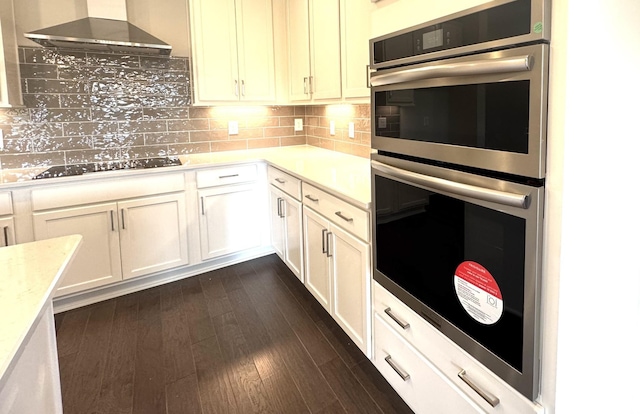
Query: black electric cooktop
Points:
[80, 169]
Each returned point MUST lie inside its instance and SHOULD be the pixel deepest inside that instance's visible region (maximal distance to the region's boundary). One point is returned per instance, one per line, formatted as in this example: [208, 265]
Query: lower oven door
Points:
[463, 251]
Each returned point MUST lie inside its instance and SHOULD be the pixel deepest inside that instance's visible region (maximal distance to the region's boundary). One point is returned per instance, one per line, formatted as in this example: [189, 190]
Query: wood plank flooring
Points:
[244, 339]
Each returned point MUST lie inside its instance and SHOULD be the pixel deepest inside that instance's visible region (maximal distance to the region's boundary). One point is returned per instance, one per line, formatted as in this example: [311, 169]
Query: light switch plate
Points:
[352, 130]
[332, 127]
[382, 122]
[297, 124]
[233, 127]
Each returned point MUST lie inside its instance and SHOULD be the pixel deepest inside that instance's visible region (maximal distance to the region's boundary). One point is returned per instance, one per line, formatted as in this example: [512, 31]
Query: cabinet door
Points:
[351, 286]
[257, 75]
[325, 49]
[277, 221]
[299, 57]
[316, 260]
[7, 232]
[293, 235]
[153, 234]
[229, 220]
[97, 262]
[214, 51]
[355, 31]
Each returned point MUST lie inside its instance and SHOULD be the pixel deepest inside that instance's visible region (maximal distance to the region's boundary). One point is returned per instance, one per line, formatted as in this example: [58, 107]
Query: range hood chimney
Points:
[105, 29]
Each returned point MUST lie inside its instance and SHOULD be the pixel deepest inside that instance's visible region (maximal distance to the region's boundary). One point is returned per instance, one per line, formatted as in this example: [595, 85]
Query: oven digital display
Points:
[432, 39]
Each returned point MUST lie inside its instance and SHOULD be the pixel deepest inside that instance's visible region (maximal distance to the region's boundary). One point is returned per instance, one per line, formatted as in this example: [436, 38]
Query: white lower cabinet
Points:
[229, 220]
[416, 380]
[337, 272]
[286, 229]
[121, 240]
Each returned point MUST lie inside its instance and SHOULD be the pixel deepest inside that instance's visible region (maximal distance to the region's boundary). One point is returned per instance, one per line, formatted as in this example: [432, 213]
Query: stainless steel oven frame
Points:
[519, 200]
[516, 64]
[540, 32]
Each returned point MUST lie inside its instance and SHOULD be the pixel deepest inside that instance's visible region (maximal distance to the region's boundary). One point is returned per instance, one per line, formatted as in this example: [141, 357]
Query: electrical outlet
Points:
[297, 125]
[382, 122]
[233, 127]
[332, 127]
[352, 130]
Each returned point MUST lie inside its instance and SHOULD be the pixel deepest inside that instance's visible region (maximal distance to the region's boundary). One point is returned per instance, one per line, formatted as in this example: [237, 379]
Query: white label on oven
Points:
[478, 292]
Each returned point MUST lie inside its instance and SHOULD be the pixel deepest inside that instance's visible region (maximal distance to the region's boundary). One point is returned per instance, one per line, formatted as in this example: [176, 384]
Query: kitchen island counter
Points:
[30, 274]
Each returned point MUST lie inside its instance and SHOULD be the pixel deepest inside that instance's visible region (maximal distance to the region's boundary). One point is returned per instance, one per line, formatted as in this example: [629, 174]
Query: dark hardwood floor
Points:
[244, 339]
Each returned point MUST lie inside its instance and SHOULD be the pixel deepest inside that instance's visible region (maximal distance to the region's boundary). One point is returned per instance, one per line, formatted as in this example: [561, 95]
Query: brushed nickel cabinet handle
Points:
[236, 87]
[306, 87]
[343, 217]
[329, 247]
[397, 320]
[6, 235]
[405, 376]
[324, 243]
[243, 89]
[113, 222]
[311, 85]
[202, 205]
[281, 181]
[488, 397]
[279, 207]
[123, 223]
[221, 177]
[315, 200]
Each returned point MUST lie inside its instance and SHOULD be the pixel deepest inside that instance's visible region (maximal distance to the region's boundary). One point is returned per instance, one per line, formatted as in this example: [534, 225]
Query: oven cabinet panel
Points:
[7, 232]
[230, 220]
[422, 386]
[97, 262]
[317, 263]
[444, 355]
[153, 234]
[286, 229]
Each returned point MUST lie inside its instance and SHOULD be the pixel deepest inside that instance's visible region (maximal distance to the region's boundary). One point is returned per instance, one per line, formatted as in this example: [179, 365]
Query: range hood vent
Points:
[99, 34]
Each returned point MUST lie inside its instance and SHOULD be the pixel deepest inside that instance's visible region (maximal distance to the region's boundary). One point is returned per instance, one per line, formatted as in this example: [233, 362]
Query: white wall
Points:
[597, 239]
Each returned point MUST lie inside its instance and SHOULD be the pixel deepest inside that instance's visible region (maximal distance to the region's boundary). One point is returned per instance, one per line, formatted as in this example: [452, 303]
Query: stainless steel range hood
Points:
[100, 34]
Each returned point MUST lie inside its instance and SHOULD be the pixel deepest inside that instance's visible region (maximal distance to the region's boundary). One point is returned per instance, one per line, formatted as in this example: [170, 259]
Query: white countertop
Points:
[345, 175]
[29, 275]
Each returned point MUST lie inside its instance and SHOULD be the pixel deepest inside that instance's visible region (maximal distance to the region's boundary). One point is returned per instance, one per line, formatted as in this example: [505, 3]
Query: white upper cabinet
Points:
[232, 47]
[314, 49]
[9, 70]
[355, 31]
[328, 49]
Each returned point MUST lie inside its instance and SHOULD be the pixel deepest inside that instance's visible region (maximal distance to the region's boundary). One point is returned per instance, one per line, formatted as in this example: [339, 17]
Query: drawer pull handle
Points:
[397, 369]
[315, 200]
[343, 217]
[488, 397]
[281, 181]
[6, 235]
[402, 324]
[228, 176]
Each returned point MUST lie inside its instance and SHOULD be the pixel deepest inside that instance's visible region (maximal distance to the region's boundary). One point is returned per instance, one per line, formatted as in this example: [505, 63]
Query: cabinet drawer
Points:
[448, 357]
[417, 381]
[345, 215]
[286, 182]
[6, 206]
[227, 175]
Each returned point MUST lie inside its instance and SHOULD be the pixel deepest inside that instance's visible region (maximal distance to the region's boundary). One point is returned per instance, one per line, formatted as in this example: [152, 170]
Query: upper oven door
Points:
[485, 111]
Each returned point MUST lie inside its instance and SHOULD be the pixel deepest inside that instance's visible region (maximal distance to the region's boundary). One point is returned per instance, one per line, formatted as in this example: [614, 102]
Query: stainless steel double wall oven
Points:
[459, 110]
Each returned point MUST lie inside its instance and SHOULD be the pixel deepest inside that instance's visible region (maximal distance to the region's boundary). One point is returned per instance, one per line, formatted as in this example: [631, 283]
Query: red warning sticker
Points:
[478, 292]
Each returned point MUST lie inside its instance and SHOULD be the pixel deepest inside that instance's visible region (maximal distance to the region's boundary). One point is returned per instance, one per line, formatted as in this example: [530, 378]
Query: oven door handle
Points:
[439, 184]
[476, 67]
